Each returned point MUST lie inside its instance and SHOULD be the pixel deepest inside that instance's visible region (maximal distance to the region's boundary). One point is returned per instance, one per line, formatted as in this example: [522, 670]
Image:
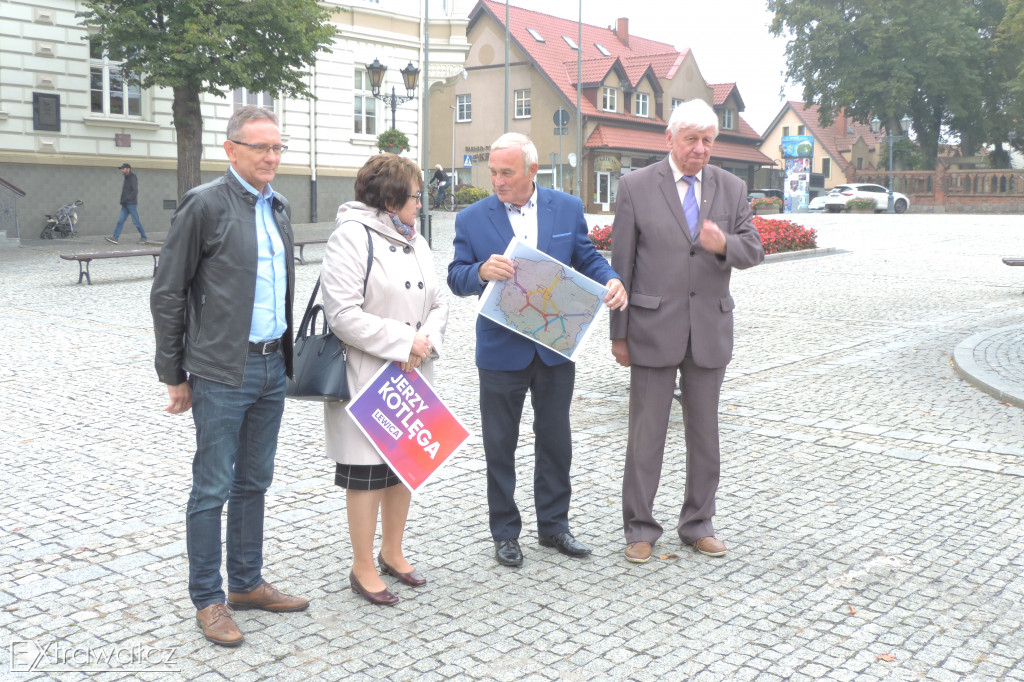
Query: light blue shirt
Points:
[268, 316]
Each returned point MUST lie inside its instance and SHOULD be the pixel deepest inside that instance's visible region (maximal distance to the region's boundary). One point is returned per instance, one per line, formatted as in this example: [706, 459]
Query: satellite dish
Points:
[571, 158]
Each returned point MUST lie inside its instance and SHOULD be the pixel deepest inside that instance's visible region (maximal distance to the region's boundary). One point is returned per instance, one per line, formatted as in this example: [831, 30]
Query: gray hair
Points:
[512, 140]
[248, 114]
[695, 114]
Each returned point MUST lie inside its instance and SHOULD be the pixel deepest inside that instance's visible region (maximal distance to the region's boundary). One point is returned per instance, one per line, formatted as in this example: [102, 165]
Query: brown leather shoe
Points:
[267, 598]
[710, 546]
[638, 552]
[217, 626]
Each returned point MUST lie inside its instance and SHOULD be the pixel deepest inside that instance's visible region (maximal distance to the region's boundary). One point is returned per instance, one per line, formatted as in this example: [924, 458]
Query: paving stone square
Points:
[872, 491]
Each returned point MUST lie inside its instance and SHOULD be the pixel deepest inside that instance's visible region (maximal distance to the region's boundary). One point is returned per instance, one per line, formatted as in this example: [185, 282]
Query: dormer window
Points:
[602, 49]
[642, 104]
[536, 36]
[609, 99]
[569, 42]
[728, 121]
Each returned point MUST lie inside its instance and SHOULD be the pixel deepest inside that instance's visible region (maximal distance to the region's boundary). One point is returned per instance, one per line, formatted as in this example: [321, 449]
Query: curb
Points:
[981, 376]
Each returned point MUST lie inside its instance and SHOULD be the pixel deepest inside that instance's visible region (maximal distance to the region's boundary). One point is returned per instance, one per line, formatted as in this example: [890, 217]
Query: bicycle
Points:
[449, 198]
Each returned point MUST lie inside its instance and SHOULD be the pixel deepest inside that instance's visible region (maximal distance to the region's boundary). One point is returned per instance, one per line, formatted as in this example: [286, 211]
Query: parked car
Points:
[769, 192]
[817, 204]
[755, 195]
[836, 199]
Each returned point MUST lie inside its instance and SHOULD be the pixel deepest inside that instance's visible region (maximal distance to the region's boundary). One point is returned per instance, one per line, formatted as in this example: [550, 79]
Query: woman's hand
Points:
[421, 350]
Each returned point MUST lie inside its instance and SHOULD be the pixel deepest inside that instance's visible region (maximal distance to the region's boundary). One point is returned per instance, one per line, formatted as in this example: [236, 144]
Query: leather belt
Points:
[264, 347]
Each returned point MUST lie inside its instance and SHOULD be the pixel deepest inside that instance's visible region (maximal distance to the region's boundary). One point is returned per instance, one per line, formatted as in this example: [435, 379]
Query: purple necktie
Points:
[690, 204]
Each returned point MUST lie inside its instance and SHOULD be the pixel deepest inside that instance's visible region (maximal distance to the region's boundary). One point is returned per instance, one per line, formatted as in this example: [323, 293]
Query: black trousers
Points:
[502, 396]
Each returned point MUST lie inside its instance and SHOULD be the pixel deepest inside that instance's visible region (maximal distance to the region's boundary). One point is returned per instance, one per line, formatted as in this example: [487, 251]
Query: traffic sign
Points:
[467, 160]
[561, 118]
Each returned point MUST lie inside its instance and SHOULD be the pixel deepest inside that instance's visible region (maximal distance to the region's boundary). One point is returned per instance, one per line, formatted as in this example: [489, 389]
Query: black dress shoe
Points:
[508, 553]
[564, 543]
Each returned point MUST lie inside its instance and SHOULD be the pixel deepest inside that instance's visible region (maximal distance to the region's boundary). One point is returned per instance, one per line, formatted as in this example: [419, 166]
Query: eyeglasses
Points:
[418, 196]
[263, 149]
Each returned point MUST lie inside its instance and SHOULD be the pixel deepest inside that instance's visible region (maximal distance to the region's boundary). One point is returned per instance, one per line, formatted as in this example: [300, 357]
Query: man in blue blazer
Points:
[510, 364]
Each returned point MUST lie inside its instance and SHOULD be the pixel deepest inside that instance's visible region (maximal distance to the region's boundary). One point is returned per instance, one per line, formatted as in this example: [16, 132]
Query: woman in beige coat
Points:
[400, 317]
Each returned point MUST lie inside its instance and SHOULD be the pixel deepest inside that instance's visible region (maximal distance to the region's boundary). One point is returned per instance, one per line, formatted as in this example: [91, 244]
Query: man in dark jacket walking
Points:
[129, 204]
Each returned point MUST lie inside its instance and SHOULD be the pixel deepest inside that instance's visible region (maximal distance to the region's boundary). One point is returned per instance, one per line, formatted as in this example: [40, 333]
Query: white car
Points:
[835, 200]
[817, 204]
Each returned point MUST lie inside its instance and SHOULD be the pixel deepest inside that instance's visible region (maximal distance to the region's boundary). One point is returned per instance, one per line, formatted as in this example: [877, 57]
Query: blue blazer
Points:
[483, 229]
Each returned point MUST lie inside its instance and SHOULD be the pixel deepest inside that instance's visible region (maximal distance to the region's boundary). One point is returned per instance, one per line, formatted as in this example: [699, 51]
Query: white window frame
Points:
[242, 96]
[642, 105]
[523, 108]
[464, 108]
[609, 99]
[676, 102]
[728, 120]
[364, 104]
[108, 71]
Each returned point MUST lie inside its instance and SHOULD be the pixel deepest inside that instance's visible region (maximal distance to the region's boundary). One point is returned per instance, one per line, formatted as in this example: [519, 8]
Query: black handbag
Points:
[320, 361]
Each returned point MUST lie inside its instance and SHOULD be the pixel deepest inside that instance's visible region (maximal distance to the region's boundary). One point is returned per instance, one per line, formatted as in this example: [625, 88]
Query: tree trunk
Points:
[188, 124]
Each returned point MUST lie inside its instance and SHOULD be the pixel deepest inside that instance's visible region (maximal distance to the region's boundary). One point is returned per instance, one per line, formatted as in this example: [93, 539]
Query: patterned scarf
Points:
[407, 231]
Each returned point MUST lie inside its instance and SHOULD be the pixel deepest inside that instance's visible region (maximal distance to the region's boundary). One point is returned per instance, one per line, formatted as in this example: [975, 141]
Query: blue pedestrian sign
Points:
[467, 160]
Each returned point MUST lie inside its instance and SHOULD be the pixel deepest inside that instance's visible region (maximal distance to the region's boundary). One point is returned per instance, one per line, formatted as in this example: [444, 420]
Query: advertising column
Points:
[797, 154]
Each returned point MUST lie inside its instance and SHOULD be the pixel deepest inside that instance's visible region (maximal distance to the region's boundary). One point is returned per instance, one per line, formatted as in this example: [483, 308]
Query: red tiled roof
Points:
[624, 138]
[743, 131]
[554, 55]
[735, 151]
[722, 92]
[648, 141]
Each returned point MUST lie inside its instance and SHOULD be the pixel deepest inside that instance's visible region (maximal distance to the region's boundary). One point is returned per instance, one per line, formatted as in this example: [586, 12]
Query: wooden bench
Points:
[85, 258]
[303, 243]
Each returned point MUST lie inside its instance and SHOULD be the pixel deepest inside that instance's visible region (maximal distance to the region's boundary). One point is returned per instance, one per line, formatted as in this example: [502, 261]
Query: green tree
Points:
[926, 58]
[195, 46]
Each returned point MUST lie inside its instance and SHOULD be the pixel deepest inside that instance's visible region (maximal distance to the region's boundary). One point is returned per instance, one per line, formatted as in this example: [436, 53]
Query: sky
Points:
[729, 40]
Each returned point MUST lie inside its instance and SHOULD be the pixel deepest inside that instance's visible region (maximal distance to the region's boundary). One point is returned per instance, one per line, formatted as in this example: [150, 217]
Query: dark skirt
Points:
[365, 476]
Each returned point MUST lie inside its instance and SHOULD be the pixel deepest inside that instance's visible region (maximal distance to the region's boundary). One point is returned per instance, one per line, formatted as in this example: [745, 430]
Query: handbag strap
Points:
[307, 316]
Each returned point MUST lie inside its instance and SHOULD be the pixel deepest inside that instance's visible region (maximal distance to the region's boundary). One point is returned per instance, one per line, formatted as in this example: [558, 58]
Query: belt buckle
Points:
[265, 347]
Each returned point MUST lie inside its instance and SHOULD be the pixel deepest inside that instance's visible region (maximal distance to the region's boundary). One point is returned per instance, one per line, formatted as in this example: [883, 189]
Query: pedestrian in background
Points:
[129, 205]
[390, 309]
[222, 314]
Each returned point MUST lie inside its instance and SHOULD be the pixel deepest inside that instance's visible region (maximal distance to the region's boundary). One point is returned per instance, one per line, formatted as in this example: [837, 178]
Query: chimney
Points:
[841, 124]
[622, 31]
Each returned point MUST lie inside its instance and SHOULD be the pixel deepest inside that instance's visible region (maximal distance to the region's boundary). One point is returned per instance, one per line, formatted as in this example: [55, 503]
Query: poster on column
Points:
[798, 153]
[408, 424]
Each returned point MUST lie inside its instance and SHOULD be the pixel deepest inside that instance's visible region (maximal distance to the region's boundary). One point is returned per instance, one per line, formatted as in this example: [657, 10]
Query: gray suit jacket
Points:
[677, 289]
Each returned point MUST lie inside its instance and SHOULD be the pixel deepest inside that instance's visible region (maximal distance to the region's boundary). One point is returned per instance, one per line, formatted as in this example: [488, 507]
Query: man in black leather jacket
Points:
[222, 314]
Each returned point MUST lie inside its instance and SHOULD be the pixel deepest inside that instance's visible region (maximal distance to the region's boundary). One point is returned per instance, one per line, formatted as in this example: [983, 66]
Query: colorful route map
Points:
[545, 300]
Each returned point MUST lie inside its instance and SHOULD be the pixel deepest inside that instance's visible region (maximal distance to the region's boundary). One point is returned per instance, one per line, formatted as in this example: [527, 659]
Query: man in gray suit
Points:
[680, 228]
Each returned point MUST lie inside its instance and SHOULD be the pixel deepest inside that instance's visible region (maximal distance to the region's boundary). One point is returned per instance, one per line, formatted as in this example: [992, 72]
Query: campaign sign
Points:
[406, 421]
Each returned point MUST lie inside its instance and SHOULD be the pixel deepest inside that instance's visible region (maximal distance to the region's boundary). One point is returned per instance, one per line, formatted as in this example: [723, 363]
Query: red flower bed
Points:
[602, 237]
[777, 236]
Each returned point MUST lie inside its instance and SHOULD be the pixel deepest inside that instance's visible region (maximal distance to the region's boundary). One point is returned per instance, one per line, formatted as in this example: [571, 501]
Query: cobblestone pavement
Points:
[871, 499]
[993, 360]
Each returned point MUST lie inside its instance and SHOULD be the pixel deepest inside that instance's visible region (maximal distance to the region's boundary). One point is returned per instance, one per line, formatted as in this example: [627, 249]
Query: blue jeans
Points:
[236, 438]
[440, 191]
[129, 210]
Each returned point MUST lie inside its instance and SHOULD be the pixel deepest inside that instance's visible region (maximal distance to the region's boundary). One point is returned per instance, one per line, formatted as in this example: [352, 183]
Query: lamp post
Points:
[876, 125]
[453, 108]
[410, 76]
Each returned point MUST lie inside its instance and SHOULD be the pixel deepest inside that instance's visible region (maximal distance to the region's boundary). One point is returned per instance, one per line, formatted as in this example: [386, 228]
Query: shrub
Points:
[862, 202]
[779, 236]
[392, 138]
[467, 194]
[766, 201]
[601, 237]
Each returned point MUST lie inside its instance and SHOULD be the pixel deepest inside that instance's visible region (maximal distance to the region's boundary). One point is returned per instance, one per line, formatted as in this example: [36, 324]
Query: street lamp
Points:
[410, 76]
[876, 125]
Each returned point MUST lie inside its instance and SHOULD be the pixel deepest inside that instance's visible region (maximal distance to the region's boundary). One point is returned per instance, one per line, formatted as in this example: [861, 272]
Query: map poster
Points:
[545, 300]
[406, 421]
